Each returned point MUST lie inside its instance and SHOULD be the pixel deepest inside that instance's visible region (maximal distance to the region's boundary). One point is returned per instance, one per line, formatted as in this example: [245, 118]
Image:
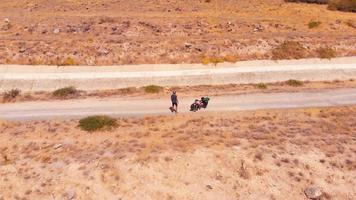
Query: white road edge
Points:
[49, 78]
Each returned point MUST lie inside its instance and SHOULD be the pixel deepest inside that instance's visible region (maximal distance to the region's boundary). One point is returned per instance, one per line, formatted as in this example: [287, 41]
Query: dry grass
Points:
[11, 95]
[220, 152]
[326, 52]
[216, 60]
[343, 5]
[289, 50]
[69, 61]
[158, 31]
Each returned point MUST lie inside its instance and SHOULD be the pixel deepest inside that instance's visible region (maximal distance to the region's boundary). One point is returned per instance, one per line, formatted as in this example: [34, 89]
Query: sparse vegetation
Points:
[289, 50]
[314, 24]
[342, 5]
[216, 60]
[351, 23]
[326, 52]
[212, 139]
[11, 95]
[294, 83]
[261, 86]
[68, 62]
[65, 92]
[153, 89]
[98, 122]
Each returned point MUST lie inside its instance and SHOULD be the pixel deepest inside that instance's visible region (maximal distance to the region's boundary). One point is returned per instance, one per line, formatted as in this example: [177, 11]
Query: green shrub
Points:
[294, 83]
[98, 122]
[153, 89]
[261, 86]
[11, 95]
[289, 50]
[343, 5]
[313, 24]
[65, 92]
[326, 52]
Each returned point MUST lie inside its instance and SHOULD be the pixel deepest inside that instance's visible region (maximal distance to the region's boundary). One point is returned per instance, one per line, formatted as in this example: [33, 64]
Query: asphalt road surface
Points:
[138, 107]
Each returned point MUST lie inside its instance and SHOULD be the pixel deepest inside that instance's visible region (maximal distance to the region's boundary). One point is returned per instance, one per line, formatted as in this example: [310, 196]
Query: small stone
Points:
[7, 20]
[351, 23]
[313, 192]
[209, 187]
[188, 45]
[70, 194]
[56, 30]
[57, 146]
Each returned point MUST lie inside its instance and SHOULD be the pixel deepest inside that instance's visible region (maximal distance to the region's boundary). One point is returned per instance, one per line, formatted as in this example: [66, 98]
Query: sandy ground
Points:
[110, 32]
[272, 154]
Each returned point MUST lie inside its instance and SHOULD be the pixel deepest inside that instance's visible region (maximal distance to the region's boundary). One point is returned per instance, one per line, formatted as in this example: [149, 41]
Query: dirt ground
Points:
[188, 91]
[110, 32]
[271, 154]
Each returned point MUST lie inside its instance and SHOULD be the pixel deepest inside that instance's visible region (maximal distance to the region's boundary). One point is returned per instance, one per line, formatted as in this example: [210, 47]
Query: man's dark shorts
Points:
[174, 104]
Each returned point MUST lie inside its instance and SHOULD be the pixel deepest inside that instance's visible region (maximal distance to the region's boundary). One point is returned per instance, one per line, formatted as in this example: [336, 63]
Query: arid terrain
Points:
[111, 32]
[203, 156]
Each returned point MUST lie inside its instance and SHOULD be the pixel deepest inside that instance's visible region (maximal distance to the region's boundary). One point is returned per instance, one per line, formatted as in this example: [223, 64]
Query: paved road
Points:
[134, 107]
[49, 78]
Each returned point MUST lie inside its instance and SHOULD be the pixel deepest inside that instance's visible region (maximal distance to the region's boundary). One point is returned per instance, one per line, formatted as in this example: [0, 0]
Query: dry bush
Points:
[243, 171]
[68, 62]
[289, 50]
[94, 123]
[342, 5]
[153, 89]
[314, 24]
[261, 86]
[326, 52]
[216, 60]
[294, 83]
[11, 95]
[65, 92]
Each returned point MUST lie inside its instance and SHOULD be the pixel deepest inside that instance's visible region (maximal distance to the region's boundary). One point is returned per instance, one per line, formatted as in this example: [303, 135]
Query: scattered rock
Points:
[6, 25]
[70, 194]
[57, 146]
[103, 52]
[209, 187]
[243, 171]
[56, 30]
[314, 192]
[258, 28]
[22, 49]
[335, 26]
[351, 23]
[188, 45]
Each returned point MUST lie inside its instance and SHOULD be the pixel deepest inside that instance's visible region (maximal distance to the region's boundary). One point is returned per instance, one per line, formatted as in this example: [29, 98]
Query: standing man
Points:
[174, 100]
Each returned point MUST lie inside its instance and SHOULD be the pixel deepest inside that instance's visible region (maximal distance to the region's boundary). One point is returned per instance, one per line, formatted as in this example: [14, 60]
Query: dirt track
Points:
[127, 107]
